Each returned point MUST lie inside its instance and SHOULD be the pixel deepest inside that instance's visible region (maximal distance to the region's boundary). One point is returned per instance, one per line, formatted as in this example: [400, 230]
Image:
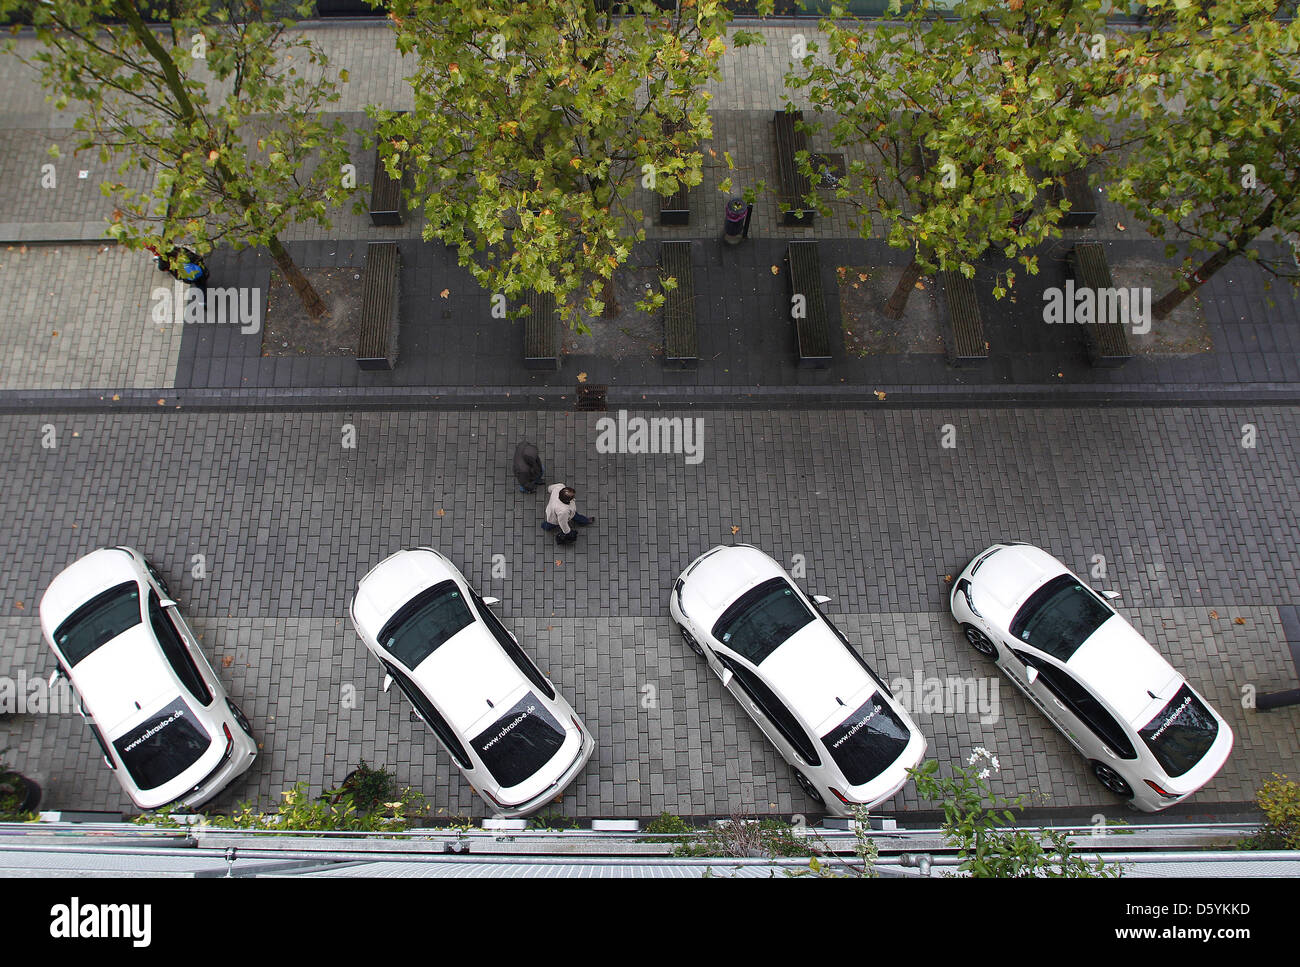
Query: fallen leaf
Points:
[947, 579]
[1214, 614]
[162, 402]
[1238, 621]
[775, 270]
[1120, 226]
[55, 334]
[559, 563]
[921, 286]
[441, 512]
[582, 377]
[116, 397]
[880, 394]
[734, 530]
[862, 277]
[227, 661]
[445, 292]
[19, 605]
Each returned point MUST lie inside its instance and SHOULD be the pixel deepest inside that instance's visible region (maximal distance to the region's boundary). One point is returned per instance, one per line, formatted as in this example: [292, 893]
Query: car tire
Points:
[162, 583]
[809, 789]
[979, 641]
[1112, 780]
[691, 643]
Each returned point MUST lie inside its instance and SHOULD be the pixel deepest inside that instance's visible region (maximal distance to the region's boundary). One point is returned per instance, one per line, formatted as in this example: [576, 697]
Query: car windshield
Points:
[520, 742]
[1181, 734]
[869, 741]
[163, 746]
[99, 621]
[762, 619]
[1059, 617]
[425, 623]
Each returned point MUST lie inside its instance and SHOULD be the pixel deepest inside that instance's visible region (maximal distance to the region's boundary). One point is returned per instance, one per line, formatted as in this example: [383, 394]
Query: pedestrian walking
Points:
[184, 265]
[561, 511]
[528, 468]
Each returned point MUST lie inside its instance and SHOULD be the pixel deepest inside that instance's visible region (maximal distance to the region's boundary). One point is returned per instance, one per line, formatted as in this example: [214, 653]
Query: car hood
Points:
[81, 581]
[722, 575]
[393, 582]
[1008, 576]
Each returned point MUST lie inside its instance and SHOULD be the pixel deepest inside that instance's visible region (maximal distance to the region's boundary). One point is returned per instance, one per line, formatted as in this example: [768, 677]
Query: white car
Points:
[515, 739]
[830, 715]
[158, 711]
[1146, 733]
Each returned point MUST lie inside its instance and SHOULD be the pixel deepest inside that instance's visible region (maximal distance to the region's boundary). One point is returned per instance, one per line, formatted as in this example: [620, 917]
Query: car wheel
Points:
[979, 641]
[691, 643]
[1112, 780]
[162, 583]
[809, 789]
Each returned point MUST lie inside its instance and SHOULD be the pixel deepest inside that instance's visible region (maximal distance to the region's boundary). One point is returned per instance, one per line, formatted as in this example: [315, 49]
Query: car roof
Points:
[1127, 673]
[125, 680]
[468, 671]
[1011, 574]
[819, 680]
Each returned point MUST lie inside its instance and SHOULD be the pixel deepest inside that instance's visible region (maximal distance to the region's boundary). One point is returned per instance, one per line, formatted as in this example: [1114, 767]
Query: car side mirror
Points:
[821, 598]
[727, 676]
[388, 682]
[1031, 674]
[491, 601]
[1110, 595]
[167, 603]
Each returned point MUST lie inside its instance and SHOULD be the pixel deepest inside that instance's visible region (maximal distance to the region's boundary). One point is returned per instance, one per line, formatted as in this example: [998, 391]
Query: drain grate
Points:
[591, 399]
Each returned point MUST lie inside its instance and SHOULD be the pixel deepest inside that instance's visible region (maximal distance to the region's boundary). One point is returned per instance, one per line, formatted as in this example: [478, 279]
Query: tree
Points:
[986, 848]
[223, 102]
[966, 122]
[1218, 162]
[533, 121]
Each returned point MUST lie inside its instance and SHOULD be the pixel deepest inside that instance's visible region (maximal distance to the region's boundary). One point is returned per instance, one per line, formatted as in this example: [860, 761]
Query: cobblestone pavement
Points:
[1199, 534]
[64, 323]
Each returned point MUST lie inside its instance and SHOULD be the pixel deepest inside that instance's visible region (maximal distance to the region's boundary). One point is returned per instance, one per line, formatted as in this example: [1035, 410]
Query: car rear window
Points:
[1059, 617]
[869, 741]
[99, 621]
[1181, 734]
[762, 619]
[425, 623]
[520, 742]
[163, 746]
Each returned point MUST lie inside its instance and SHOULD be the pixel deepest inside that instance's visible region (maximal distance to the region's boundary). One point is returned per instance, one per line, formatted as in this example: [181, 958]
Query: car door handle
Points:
[1059, 704]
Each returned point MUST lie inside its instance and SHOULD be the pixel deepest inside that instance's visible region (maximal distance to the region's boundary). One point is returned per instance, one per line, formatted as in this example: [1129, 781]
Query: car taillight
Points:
[495, 800]
[838, 795]
[1167, 795]
[230, 739]
[576, 724]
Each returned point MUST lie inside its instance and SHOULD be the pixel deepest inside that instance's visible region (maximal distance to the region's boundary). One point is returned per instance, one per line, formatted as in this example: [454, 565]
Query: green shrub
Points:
[1279, 800]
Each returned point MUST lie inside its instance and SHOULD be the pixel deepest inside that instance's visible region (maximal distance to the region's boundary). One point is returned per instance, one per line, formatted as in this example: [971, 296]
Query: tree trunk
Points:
[312, 302]
[612, 308]
[898, 301]
[1172, 299]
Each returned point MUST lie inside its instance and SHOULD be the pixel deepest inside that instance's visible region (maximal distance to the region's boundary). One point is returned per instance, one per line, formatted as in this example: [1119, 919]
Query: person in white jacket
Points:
[561, 511]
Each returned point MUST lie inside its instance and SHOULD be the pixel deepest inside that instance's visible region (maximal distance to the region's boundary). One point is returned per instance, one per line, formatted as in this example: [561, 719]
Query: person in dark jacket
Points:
[528, 468]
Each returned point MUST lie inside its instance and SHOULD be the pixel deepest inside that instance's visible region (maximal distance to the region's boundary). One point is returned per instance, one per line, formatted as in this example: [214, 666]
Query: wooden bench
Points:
[1073, 187]
[965, 342]
[385, 195]
[681, 342]
[541, 333]
[794, 185]
[1107, 342]
[813, 329]
[380, 304]
[675, 209]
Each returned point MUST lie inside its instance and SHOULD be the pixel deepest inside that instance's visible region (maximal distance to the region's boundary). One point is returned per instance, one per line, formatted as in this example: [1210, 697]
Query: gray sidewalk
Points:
[1199, 534]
